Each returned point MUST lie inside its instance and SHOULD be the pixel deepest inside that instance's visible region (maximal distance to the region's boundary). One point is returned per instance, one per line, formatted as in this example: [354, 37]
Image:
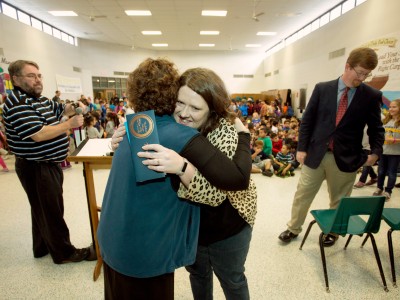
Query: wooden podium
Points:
[92, 153]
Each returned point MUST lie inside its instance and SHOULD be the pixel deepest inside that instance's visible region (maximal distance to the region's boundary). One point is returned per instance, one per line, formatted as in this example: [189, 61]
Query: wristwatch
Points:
[185, 163]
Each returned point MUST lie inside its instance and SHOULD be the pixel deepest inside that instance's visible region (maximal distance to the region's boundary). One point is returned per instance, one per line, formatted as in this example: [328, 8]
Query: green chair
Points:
[392, 218]
[346, 220]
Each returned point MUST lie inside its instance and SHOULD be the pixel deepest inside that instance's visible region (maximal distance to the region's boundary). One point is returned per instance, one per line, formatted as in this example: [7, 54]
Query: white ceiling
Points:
[180, 21]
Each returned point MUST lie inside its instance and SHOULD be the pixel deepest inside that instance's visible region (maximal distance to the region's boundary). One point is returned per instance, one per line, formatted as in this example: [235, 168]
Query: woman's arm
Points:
[210, 162]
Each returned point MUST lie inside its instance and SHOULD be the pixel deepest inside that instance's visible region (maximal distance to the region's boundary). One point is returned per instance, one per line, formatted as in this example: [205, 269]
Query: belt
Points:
[36, 161]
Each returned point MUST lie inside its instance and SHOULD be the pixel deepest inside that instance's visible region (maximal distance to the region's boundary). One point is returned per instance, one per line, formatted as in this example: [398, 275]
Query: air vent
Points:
[276, 72]
[243, 76]
[268, 74]
[76, 69]
[120, 73]
[337, 53]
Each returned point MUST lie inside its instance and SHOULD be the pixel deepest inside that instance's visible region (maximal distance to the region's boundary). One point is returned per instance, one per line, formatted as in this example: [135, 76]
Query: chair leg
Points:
[365, 240]
[391, 255]
[321, 247]
[348, 241]
[307, 232]
[378, 260]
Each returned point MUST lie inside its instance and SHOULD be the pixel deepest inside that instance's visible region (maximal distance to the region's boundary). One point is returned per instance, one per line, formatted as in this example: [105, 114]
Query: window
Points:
[36, 24]
[24, 18]
[29, 20]
[335, 13]
[322, 20]
[348, 5]
[9, 11]
[47, 29]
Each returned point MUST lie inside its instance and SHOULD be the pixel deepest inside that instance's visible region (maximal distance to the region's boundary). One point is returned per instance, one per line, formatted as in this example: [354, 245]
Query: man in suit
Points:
[334, 151]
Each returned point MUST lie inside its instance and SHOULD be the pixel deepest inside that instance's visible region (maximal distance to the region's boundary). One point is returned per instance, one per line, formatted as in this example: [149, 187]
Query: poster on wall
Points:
[68, 84]
[5, 80]
[386, 76]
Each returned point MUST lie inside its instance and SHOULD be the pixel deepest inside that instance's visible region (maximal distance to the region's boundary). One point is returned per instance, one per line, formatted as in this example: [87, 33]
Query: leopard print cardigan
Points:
[225, 138]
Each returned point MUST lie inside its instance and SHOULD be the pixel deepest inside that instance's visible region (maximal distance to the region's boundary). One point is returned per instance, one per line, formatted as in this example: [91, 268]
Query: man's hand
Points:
[75, 121]
[301, 156]
[371, 160]
[118, 137]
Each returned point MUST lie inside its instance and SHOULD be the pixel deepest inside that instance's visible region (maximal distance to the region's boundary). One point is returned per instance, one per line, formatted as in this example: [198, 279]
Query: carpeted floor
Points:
[274, 271]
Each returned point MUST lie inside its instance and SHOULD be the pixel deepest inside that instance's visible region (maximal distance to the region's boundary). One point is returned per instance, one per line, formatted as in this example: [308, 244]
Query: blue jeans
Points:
[226, 258]
[388, 166]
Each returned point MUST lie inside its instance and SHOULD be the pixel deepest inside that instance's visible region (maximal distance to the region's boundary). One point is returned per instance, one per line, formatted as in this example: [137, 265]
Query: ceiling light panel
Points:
[205, 32]
[138, 12]
[266, 33]
[149, 32]
[206, 45]
[63, 13]
[159, 45]
[214, 13]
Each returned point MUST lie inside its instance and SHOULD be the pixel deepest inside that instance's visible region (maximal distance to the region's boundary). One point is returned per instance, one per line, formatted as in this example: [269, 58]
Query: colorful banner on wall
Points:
[386, 76]
[68, 84]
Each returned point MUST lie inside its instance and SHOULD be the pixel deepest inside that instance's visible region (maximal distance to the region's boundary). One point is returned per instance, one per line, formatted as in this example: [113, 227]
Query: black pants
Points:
[43, 184]
[119, 287]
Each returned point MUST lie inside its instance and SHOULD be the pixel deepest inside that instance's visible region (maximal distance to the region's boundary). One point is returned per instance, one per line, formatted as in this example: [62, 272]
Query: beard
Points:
[35, 90]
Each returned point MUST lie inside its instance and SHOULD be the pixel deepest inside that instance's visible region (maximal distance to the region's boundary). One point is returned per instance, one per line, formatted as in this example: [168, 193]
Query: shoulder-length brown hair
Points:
[210, 86]
[389, 117]
[154, 85]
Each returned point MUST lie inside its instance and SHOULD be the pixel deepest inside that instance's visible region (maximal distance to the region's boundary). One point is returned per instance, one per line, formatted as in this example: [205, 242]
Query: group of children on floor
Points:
[273, 145]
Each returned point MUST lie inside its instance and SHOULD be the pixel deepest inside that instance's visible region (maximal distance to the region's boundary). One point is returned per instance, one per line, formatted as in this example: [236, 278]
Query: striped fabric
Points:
[24, 117]
[284, 158]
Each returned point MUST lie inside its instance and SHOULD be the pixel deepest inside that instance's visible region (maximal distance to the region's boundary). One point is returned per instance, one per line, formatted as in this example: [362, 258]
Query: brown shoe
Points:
[359, 185]
[372, 181]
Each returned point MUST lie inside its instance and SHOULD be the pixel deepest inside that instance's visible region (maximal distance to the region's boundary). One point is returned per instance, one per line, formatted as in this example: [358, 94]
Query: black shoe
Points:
[329, 240]
[397, 185]
[77, 256]
[92, 255]
[287, 236]
[267, 173]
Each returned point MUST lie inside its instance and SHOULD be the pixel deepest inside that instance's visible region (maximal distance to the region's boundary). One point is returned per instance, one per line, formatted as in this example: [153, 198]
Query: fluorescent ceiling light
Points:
[266, 33]
[214, 13]
[149, 32]
[138, 12]
[209, 32]
[253, 45]
[206, 45]
[159, 45]
[63, 13]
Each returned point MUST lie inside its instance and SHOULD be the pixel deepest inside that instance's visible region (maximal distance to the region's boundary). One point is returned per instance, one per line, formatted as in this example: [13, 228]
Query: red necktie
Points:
[343, 102]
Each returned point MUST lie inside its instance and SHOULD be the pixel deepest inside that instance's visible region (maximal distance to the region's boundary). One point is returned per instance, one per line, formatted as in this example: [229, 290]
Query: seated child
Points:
[258, 157]
[276, 143]
[282, 164]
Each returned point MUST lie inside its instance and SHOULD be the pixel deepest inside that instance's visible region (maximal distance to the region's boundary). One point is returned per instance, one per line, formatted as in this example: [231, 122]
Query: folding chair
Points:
[346, 220]
[392, 218]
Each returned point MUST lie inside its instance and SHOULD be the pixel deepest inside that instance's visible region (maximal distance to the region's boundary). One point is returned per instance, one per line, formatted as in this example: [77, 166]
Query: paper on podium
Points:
[141, 129]
[95, 147]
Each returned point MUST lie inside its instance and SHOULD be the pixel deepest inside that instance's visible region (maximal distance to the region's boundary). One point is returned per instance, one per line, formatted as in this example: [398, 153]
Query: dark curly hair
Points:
[210, 86]
[153, 85]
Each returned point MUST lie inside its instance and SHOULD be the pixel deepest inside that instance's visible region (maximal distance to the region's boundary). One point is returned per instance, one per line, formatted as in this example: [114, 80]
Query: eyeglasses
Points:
[361, 74]
[33, 76]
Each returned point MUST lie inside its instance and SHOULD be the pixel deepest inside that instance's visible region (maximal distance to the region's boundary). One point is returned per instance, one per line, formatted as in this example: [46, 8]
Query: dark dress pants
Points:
[42, 182]
[118, 286]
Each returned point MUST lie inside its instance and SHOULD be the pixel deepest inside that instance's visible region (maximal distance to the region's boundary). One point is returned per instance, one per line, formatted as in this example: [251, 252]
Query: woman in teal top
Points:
[145, 230]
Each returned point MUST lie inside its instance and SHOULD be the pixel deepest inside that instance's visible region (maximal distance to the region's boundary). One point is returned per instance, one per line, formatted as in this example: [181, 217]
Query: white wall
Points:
[300, 65]
[305, 62]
